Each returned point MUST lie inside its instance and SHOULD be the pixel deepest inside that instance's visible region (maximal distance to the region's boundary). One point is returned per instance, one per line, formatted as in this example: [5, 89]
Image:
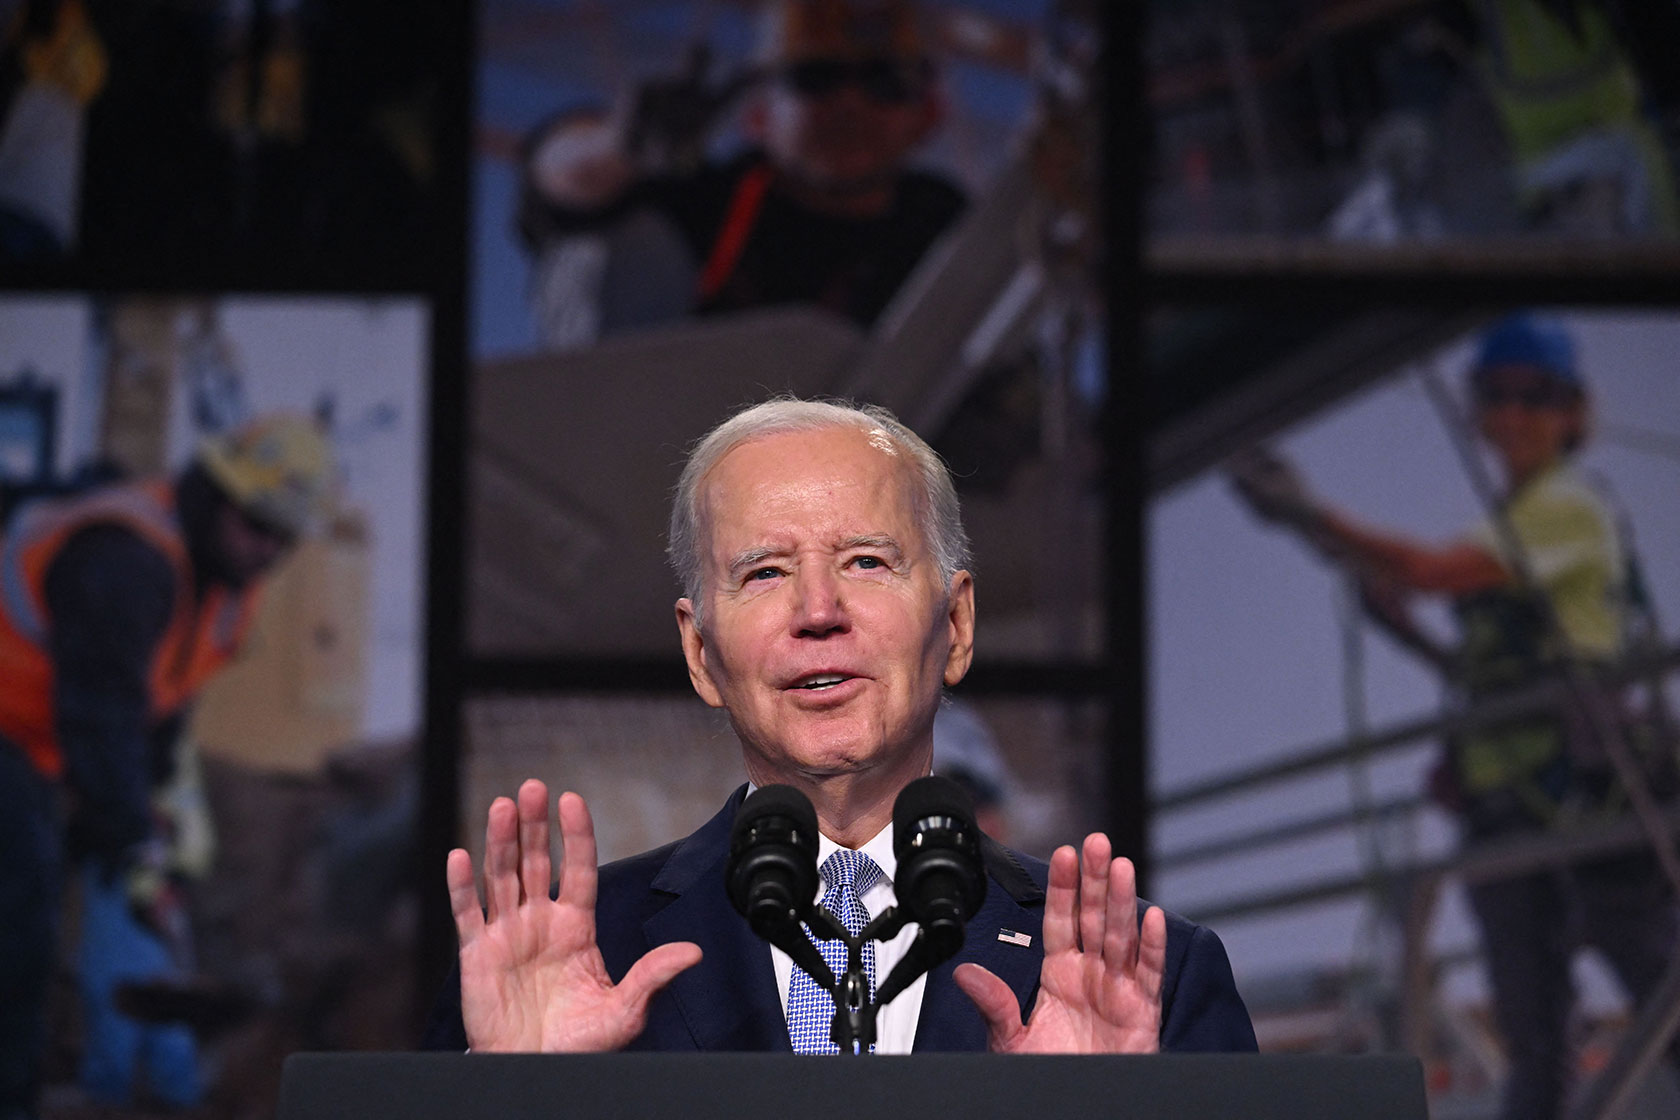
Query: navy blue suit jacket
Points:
[730, 1001]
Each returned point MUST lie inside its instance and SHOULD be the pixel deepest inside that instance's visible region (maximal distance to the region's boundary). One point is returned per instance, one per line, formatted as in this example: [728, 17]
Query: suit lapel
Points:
[1014, 905]
[729, 1000]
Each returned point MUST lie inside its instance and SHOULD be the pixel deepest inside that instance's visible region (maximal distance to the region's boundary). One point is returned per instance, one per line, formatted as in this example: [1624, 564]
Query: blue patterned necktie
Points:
[849, 875]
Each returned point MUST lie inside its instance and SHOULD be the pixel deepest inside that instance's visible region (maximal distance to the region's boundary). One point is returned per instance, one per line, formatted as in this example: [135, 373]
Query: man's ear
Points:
[960, 618]
[694, 652]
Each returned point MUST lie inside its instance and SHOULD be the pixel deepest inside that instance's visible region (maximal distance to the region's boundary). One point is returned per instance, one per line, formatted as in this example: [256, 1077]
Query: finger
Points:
[534, 865]
[1120, 944]
[1152, 953]
[648, 976]
[501, 858]
[1093, 892]
[463, 896]
[1060, 899]
[994, 1000]
[577, 855]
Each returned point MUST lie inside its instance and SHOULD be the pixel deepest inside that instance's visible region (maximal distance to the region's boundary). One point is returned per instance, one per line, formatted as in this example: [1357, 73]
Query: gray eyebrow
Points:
[880, 541]
[750, 557]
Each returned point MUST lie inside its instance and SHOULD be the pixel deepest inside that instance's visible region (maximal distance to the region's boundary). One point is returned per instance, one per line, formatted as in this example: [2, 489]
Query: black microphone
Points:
[772, 872]
[941, 879]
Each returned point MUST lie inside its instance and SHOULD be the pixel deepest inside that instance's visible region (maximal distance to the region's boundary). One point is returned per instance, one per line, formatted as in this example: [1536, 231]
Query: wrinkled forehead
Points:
[796, 473]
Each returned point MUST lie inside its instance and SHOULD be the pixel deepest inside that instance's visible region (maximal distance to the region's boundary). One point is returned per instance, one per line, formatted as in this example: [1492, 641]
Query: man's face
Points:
[841, 126]
[828, 630]
[1526, 417]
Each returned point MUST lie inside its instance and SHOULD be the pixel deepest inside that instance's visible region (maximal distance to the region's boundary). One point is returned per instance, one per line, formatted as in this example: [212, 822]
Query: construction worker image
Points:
[117, 605]
[628, 221]
[1544, 592]
[1570, 100]
[59, 65]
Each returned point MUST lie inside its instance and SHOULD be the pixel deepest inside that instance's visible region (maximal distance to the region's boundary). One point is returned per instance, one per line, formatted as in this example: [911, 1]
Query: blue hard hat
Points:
[1528, 339]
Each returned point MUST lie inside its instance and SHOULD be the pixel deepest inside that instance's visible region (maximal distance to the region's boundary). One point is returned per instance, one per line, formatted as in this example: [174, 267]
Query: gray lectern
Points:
[784, 1087]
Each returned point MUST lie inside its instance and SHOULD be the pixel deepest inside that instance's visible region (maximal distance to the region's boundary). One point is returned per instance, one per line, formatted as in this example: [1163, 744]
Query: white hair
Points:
[938, 514]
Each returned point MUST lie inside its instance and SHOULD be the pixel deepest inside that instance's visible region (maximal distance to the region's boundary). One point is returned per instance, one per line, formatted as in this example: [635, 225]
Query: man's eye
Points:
[869, 562]
[764, 573]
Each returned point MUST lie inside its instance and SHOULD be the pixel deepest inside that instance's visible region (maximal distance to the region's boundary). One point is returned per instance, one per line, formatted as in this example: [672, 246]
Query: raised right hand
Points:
[532, 977]
[580, 164]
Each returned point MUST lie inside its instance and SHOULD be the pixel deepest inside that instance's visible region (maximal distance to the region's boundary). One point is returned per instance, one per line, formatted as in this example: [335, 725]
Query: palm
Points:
[1100, 984]
[532, 977]
[535, 981]
[1083, 1008]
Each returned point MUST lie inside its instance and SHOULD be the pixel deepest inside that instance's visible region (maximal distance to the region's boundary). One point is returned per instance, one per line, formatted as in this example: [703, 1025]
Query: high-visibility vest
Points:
[1553, 86]
[1551, 83]
[204, 630]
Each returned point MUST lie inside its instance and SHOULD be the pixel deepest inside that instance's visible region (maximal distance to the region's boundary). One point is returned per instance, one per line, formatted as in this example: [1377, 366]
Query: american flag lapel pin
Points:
[1010, 937]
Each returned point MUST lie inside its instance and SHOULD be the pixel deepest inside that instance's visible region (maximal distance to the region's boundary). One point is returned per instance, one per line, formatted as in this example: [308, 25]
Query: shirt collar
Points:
[878, 848]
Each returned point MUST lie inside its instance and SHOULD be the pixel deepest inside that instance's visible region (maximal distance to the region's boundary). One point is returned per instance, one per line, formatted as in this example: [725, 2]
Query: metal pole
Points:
[1417, 971]
[1524, 701]
[1649, 1034]
[1501, 859]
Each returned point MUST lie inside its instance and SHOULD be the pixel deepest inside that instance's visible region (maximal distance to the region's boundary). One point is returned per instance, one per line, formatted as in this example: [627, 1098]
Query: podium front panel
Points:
[786, 1087]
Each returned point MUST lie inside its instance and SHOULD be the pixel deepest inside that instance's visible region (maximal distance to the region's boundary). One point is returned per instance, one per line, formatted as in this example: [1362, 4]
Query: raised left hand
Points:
[1099, 991]
[1273, 488]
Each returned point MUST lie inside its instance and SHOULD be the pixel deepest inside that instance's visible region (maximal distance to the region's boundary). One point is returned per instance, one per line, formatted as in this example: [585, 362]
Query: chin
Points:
[828, 756]
[828, 759]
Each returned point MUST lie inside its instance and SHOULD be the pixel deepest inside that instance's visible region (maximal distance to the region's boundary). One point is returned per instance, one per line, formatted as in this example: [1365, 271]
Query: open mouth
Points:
[818, 682]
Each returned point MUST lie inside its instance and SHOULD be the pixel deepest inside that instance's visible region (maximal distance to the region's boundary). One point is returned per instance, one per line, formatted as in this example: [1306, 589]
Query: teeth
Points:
[825, 681]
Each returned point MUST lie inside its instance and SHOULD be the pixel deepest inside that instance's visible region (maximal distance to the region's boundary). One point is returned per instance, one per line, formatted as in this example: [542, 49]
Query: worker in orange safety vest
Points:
[117, 605]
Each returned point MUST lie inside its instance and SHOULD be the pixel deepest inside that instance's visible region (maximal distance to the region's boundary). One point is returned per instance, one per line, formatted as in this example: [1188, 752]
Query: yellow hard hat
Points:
[797, 30]
[278, 468]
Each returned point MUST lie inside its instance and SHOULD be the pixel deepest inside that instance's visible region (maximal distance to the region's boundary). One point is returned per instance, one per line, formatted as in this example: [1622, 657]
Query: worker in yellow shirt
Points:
[1539, 584]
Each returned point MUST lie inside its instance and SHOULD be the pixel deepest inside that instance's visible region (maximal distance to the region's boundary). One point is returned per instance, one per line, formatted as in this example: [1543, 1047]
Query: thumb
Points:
[657, 968]
[995, 1002]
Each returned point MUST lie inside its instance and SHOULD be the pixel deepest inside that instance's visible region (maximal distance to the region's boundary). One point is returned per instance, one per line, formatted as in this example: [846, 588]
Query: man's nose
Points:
[819, 602]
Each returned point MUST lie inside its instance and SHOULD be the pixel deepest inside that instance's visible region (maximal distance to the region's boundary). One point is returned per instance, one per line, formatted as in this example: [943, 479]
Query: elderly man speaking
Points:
[826, 604]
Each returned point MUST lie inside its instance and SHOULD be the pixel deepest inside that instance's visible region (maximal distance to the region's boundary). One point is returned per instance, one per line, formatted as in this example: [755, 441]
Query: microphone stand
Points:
[772, 867]
[854, 1012]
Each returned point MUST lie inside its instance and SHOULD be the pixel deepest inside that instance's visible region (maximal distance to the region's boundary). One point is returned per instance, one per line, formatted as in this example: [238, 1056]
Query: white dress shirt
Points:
[895, 1024]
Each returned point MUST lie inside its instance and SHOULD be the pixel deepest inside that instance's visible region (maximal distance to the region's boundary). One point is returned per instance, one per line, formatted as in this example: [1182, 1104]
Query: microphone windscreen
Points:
[771, 875]
[775, 801]
[930, 798]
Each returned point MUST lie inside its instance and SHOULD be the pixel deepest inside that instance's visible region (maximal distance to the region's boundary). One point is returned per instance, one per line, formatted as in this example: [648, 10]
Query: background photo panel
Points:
[273, 450]
[683, 207]
[1366, 754]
